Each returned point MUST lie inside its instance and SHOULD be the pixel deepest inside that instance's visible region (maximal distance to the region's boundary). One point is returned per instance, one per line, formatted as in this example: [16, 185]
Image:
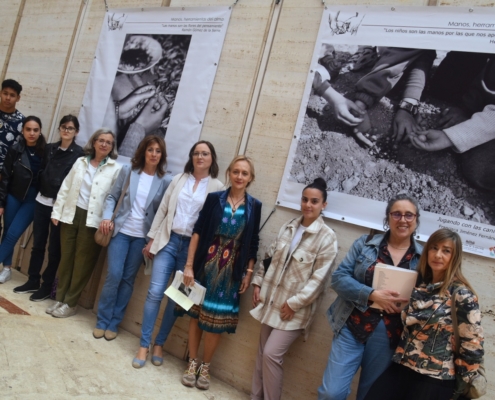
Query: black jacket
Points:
[16, 174]
[55, 166]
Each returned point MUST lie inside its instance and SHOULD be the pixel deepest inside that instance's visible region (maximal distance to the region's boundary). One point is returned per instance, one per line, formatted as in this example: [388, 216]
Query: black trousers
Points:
[43, 229]
[402, 383]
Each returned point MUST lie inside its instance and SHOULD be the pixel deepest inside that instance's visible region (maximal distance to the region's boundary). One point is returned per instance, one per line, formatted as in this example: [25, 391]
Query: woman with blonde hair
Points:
[427, 364]
[79, 207]
[221, 257]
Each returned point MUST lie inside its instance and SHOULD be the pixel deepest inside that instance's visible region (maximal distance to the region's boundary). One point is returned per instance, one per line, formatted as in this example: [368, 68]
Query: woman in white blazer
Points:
[142, 198]
[169, 236]
[79, 206]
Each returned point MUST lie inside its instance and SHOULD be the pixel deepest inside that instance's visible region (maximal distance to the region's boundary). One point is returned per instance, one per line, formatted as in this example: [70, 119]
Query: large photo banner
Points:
[152, 74]
[401, 100]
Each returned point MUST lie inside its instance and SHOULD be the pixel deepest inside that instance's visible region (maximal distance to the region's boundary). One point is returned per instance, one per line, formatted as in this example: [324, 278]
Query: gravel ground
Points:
[327, 148]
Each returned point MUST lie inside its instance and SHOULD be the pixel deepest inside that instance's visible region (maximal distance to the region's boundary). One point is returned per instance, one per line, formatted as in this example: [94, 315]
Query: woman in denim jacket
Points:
[367, 337]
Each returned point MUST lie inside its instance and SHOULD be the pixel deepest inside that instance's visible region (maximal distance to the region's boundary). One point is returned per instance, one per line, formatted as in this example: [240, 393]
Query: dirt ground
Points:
[327, 148]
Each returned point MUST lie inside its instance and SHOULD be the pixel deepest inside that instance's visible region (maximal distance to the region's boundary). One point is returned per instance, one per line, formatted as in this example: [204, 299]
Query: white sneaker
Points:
[5, 275]
[64, 311]
[53, 307]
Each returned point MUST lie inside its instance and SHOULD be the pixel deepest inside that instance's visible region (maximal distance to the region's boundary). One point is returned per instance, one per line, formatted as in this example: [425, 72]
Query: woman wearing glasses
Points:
[79, 206]
[170, 235]
[367, 337]
[58, 159]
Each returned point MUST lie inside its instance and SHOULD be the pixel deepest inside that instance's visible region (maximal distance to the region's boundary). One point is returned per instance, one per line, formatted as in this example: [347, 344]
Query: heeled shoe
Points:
[137, 363]
[155, 360]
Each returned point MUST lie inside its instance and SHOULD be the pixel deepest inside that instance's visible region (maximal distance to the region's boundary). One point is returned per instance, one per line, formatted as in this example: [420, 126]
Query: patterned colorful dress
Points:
[220, 310]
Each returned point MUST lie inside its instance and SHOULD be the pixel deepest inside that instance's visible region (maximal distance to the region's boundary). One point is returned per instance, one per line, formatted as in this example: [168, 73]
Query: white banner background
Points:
[207, 27]
[442, 29]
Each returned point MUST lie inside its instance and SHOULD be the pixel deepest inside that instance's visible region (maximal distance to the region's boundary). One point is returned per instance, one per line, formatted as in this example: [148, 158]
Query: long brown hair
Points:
[454, 272]
[189, 168]
[139, 160]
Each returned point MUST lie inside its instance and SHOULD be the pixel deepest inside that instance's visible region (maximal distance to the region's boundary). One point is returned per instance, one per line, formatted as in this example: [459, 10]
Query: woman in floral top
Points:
[426, 363]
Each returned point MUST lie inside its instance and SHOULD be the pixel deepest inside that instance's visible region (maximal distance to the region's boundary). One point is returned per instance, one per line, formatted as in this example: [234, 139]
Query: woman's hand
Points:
[246, 281]
[256, 295]
[1, 211]
[106, 226]
[286, 313]
[129, 106]
[54, 221]
[387, 300]
[146, 250]
[188, 275]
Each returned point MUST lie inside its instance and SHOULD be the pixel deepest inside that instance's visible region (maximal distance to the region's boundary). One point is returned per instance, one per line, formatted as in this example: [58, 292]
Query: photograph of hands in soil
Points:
[383, 120]
[145, 87]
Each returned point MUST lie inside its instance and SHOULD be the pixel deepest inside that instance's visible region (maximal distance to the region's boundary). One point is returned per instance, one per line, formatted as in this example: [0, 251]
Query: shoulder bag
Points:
[100, 237]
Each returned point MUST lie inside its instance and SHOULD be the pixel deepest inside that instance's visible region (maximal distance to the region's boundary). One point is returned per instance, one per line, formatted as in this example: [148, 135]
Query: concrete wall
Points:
[50, 48]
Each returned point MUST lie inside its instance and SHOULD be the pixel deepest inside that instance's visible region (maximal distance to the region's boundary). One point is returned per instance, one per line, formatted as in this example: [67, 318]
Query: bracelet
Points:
[249, 270]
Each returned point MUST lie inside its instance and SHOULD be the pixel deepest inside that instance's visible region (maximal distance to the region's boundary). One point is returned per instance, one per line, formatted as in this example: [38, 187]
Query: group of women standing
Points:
[192, 223]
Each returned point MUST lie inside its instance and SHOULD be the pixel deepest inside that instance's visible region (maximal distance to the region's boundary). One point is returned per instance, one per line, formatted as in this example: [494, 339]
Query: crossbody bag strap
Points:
[122, 194]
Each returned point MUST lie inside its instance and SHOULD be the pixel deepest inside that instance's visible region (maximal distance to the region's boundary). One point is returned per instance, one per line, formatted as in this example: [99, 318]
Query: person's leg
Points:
[276, 346]
[132, 263]
[118, 249]
[257, 382]
[68, 236]
[168, 319]
[377, 357]
[87, 253]
[478, 166]
[54, 256]
[41, 229]
[194, 338]
[163, 266]
[211, 344]
[343, 362]
[391, 380]
[17, 218]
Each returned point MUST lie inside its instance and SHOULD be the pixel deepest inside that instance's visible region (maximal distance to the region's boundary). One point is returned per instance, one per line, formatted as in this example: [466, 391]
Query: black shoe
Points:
[28, 287]
[41, 294]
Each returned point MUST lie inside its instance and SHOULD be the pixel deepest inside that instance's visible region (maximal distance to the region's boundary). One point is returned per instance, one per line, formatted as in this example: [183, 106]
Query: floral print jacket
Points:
[427, 342]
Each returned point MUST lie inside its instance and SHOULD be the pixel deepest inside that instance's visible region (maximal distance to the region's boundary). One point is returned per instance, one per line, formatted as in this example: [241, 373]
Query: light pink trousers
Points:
[268, 373]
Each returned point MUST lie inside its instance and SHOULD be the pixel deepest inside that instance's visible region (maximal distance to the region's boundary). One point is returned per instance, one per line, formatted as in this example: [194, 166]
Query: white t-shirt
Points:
[297, 238]
[134, 223]
[189, 204]
[85, 191]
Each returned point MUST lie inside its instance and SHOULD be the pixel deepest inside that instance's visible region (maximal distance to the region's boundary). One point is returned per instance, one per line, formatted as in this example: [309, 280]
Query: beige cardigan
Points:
[162, 224]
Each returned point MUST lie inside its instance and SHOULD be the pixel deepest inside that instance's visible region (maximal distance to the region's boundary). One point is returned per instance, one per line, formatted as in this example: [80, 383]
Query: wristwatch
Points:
[409, 107]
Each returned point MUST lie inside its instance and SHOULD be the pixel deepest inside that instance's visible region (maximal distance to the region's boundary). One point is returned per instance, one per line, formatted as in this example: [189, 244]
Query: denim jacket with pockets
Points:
[348, 279]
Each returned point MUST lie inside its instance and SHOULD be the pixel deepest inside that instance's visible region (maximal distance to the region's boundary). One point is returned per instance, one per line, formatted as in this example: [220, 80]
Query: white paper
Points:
[183, 295]
[388, 277]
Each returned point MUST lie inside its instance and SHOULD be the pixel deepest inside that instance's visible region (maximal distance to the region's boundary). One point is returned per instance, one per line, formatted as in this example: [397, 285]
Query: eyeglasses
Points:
[408, 216]
[103, 141]
[203, 154]
[69, 129]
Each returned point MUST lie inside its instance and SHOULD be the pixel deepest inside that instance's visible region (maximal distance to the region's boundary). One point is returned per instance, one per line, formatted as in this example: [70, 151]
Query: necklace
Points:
[397, 248]
[234, 208]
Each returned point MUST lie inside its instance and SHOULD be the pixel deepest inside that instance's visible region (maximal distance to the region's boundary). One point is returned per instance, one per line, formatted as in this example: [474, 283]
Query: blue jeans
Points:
[124, 259]
[17, 217]
[171, 258]
[347, 355]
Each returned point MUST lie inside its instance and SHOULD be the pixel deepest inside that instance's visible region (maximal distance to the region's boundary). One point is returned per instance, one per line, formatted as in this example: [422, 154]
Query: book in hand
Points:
[388, 277]
[185, 296]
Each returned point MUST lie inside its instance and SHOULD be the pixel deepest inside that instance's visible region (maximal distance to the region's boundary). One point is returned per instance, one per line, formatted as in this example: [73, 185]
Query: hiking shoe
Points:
[5, 275]
[53, 307]
[41, 294]
[189, 377]
[64, 311]
[203, 381]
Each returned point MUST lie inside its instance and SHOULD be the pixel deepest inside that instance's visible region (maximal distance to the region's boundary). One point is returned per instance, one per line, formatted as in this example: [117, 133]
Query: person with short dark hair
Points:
[365, 336]
[57, 162]
[18, 189]
[10, 118]
[170, 235]
[146, 183]
[286, 295]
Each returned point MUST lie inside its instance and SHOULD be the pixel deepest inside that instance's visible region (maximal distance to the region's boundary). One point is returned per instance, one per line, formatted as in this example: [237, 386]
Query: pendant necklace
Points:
[234, 208]
[398, 248]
